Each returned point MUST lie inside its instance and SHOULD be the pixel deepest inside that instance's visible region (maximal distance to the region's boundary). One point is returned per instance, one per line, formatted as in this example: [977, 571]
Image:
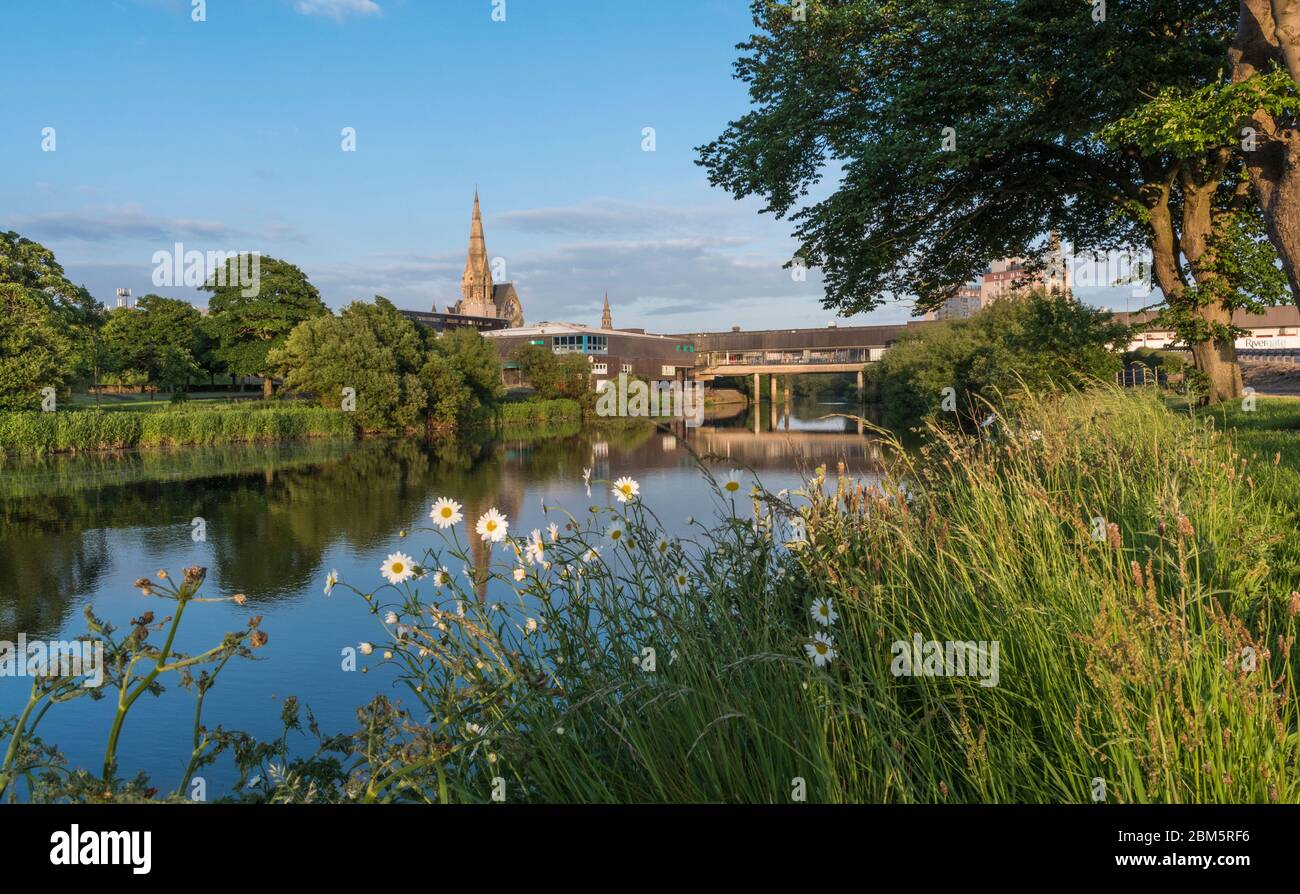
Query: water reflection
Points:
[78, 530]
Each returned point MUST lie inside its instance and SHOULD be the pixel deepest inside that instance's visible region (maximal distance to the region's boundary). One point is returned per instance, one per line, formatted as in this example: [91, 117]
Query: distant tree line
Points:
[370, 360]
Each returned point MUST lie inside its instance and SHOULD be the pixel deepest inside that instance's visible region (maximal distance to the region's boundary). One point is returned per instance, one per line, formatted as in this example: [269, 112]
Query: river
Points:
[273, 522]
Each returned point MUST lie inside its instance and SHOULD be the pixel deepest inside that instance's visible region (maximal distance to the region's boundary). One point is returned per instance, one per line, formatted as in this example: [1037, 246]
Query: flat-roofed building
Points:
[610, 351]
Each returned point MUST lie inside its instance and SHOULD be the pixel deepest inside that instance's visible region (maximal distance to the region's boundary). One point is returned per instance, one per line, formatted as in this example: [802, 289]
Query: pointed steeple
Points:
[476, 282]
[606, 322]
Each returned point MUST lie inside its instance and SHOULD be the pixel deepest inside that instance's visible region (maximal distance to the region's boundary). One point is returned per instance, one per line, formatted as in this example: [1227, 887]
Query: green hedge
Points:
[562, 409]
[73, 430]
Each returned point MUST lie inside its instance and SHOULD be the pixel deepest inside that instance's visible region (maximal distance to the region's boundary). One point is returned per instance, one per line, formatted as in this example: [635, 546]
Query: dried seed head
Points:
[239, 599]
[1185, 526]
[1112, 535]
[258, 639]
[194, 575]
[144, 586]
[162, 574]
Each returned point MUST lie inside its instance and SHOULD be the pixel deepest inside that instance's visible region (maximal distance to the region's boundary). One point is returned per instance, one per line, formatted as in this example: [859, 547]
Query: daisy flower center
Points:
[397, 567]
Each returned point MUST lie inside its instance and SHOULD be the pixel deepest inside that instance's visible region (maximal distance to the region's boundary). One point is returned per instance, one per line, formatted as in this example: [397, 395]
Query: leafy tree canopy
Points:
[246, 328]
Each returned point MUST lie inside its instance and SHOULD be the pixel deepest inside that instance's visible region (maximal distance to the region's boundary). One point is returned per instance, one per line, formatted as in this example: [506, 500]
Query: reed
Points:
[29, 433]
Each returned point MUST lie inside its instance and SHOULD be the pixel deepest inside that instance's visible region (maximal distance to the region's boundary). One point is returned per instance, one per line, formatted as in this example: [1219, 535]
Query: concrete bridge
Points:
[787, 352]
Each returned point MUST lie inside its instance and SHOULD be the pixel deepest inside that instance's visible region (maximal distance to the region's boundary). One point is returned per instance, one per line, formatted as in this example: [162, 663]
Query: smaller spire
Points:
[606, 322]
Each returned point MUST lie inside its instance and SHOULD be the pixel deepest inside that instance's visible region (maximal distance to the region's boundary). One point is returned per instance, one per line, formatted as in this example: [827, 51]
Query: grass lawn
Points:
[149, 403]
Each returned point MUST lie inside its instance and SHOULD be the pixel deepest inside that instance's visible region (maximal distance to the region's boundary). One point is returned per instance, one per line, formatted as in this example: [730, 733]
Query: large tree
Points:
[78, 315]
[371, 354]
[158, 341]
[35, 353]
[247, 327]
[960, 131]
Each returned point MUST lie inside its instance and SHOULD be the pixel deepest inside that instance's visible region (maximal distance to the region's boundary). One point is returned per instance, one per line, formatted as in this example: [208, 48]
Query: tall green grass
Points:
[1136, 572]
[29, 433]
[530, 411]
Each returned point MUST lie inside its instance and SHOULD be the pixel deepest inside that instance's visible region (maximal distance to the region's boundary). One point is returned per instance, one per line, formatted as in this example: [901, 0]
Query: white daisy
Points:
[681, 580]
[616, 533]
[554, 530]
[441, 577]
[530, 626]
[330, 580]
[446, 512]
[366, 648]
[492, 526]
[662, 546]
[823, 611]
[535, 550]
[520, 574]
[397, 567]
[821, 650]
[626, 489]
[586, 479]
[390, 618]
[732, 483]
[590, 555]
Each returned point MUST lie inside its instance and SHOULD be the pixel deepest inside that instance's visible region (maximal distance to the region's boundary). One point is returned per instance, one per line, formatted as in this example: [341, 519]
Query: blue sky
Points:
[225, 135]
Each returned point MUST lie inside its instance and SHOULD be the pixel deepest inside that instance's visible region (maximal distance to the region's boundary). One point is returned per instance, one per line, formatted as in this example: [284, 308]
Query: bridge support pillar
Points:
[862, 384]
[771, 387]
[758, 390]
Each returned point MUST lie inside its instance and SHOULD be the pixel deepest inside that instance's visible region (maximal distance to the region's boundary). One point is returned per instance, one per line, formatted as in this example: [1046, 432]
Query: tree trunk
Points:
[1268, 31]
[266, 387]
[1216, 358]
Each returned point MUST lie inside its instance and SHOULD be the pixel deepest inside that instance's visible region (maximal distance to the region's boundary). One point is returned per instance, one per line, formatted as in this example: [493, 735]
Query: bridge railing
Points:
[790, 357]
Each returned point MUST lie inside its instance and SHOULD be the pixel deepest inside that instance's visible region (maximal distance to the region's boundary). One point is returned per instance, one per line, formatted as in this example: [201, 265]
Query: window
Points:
[668, 370]
[627, 367]
[600, 369]
[579, 344]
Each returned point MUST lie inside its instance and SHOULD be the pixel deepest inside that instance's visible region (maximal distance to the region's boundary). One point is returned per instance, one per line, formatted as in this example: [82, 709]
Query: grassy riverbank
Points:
[142, 424]
[28, 433]
[1143, 657]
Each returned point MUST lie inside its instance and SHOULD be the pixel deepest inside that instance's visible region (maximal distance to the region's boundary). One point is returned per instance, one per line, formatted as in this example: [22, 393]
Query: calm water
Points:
[78, 530]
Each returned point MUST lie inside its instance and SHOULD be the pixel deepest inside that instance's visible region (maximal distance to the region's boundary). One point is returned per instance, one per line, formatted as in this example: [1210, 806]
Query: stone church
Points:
[480, 297]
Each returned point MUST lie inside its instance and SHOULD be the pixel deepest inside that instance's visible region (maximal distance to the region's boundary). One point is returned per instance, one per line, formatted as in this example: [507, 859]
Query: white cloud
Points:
[105, 223]
[337, 9]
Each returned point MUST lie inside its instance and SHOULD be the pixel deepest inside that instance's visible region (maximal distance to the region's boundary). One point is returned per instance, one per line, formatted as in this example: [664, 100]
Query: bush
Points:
[1037, 342]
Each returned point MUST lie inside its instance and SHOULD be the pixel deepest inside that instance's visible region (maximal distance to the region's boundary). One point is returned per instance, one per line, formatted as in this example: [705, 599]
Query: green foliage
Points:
[35, 433]
[1037, 341]
[404, 379]
[34, 352]
[158, 342]
[545, 411]
[1186, 122]
[860, 94]
[554, 376]
[247, 328]
[477, 361]
[370, 348]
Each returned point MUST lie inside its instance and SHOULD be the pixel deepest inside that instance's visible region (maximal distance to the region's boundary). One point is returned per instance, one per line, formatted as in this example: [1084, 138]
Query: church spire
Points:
[476, 283]
[606, 322]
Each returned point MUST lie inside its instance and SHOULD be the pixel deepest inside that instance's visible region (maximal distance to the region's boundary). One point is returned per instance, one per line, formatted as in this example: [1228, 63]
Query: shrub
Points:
[1028, 343]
